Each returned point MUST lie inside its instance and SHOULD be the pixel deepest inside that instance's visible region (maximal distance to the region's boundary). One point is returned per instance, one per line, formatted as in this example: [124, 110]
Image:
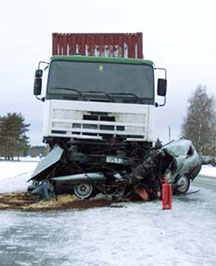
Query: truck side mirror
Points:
[37, 86]
[39, 73]
[162, 87]
[38, 82]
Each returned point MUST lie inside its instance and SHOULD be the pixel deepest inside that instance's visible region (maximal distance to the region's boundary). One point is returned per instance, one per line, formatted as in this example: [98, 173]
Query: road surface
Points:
[205, 182]
[135, 235]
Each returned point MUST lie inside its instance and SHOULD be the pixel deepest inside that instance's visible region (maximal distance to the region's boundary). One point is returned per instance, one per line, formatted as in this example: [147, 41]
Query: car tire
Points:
[83, 191]
[182, 185]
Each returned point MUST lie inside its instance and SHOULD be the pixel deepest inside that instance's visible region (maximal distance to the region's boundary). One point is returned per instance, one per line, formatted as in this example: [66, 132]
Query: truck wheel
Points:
[182, 185]
[83, 191]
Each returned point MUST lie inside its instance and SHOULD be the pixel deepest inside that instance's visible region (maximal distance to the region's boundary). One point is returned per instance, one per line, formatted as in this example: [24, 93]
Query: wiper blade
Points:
[105, 93]
[68, 89]
[83, 92]
[127, 94]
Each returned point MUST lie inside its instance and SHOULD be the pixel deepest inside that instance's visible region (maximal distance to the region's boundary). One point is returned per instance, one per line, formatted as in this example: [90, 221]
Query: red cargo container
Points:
[127, 45]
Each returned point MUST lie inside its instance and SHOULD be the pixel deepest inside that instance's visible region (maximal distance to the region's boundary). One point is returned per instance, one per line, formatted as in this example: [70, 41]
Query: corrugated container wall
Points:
[126, 45]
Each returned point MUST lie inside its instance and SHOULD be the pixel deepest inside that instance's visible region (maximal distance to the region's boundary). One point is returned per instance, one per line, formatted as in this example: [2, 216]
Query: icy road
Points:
[134, 235]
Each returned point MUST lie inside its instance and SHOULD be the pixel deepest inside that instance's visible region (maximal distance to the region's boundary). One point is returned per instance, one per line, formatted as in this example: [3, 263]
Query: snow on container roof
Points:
[121, 45]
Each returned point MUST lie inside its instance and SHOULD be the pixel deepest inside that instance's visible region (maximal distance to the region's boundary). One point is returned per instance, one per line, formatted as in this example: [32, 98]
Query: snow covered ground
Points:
[135, 235]
[13, 175]
[208, 170]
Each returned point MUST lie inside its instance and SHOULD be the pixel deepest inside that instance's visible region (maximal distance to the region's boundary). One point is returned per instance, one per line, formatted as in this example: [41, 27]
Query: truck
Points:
[99, 113]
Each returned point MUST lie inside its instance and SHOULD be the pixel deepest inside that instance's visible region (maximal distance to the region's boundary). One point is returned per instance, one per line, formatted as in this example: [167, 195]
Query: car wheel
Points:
[83, 191]
[182, 185]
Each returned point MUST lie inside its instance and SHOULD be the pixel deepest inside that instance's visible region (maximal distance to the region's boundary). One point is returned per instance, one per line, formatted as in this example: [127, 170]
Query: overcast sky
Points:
[177, 35]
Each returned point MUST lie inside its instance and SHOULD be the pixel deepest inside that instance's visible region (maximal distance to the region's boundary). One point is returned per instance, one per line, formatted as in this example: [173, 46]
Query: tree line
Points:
[13, 139]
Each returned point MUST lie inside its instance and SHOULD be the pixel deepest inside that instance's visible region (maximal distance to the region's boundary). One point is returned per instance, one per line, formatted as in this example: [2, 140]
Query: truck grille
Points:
[99, 117]
[98, 124]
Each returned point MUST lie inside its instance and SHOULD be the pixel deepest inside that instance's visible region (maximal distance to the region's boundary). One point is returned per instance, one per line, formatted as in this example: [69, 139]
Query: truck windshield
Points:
[98, 79]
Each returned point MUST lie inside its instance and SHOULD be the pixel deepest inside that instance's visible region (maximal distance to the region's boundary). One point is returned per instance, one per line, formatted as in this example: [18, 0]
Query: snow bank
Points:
[13, 175]
[11, 169]
[208, 170]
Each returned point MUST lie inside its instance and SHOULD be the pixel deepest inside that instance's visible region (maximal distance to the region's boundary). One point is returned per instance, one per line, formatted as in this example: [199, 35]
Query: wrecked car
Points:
[143, 181]
[185, 163]
[179, 157]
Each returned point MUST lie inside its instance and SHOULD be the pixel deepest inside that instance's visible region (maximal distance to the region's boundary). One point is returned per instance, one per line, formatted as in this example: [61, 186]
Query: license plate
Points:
[116, 160]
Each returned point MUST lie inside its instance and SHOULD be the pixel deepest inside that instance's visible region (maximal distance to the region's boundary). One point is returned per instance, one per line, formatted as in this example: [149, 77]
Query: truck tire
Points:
[83, 191]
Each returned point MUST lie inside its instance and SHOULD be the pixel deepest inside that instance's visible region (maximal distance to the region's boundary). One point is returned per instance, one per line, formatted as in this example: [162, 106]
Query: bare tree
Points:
[200, 122]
